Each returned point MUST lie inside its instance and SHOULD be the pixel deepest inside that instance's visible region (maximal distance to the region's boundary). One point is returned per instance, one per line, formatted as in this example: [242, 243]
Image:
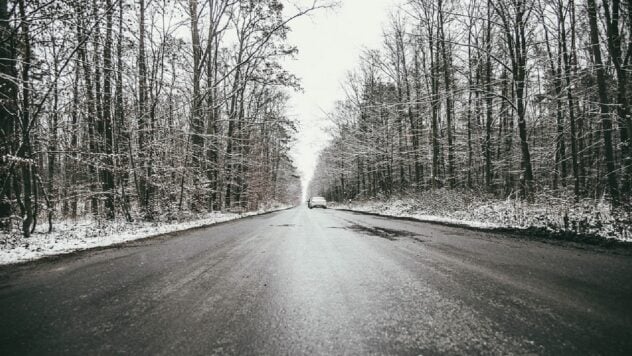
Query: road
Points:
[320, 282]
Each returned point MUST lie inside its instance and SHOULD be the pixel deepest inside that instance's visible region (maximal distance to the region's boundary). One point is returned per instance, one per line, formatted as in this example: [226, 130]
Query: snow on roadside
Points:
[588, 217]
[85, 233]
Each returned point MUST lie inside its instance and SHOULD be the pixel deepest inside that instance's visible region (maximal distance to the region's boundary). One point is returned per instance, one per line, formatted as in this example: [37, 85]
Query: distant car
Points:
[316, 202]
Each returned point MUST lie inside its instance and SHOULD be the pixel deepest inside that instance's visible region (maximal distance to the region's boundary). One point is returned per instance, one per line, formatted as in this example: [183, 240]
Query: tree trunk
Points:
[489, 96]
[449, 107]
[107, 176]
[569, 97]
[602, 90]
[25, 148]
[8, 111]
[143, 191]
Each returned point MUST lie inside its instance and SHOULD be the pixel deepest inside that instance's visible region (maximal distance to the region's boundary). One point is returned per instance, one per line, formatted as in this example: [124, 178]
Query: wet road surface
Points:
[321, 282]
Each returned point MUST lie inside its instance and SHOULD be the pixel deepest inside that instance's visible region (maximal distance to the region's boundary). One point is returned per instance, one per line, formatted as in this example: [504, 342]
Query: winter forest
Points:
[501, 99]
[149, 110]
[143, 109]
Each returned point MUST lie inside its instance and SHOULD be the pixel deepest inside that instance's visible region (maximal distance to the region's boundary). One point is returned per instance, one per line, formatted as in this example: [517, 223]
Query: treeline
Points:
[510, 97]
[143, 109]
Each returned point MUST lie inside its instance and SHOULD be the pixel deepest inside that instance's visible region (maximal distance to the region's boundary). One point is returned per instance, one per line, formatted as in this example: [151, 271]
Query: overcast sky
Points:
[329, 44]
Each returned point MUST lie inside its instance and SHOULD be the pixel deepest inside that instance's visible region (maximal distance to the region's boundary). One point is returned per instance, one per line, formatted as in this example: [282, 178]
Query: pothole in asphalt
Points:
[418, 239]
[284, 225]
[385, 233]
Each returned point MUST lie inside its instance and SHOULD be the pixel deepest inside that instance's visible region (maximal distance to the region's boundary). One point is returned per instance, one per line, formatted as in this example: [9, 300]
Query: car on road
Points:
[317, 202]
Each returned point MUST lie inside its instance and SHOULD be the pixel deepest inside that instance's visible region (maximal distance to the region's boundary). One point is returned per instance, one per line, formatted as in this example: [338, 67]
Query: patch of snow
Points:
[588, 216]
[85, 233]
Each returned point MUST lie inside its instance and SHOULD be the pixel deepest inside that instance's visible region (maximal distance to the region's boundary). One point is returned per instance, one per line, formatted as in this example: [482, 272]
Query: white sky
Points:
[329, 44]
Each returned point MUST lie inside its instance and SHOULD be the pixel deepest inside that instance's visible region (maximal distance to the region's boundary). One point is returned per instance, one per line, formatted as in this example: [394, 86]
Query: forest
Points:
[144, 109]
[508, 99]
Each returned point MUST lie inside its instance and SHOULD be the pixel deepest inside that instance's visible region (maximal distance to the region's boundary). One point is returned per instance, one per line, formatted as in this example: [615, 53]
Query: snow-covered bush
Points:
[594, 217]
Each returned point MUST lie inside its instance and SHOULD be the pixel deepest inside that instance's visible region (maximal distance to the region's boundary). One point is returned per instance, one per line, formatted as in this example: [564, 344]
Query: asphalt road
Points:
[322, 282]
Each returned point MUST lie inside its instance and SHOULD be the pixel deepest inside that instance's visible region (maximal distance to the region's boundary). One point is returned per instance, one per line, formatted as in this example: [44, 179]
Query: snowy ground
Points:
[72, 235]
[587, 217]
